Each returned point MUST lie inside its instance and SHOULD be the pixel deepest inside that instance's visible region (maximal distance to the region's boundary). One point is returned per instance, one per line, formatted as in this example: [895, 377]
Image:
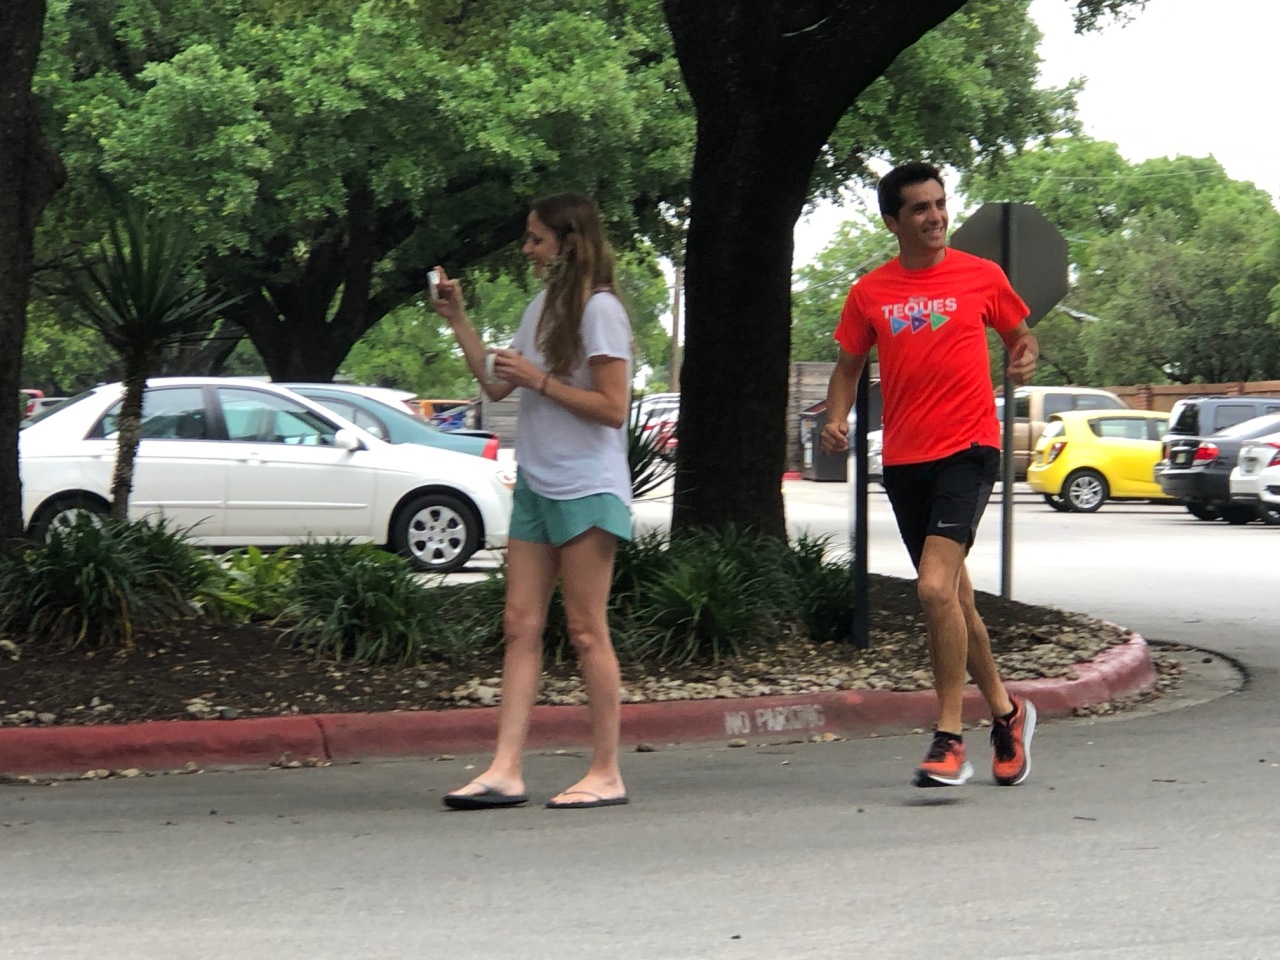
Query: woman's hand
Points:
[517, 370]
[448, 302]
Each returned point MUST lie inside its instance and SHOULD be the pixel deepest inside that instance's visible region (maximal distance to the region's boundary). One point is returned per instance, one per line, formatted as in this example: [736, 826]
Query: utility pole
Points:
[674, 386]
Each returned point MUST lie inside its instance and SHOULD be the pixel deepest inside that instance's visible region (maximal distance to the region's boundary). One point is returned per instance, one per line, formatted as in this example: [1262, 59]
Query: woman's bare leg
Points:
[532, 569]
[586, 563]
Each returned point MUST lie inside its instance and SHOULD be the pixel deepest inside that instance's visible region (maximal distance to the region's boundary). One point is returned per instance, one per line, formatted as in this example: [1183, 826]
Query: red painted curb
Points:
[170, 744]
[159, 745]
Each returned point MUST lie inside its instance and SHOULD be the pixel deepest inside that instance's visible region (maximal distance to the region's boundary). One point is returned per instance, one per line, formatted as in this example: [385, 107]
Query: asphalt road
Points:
[1150, 836]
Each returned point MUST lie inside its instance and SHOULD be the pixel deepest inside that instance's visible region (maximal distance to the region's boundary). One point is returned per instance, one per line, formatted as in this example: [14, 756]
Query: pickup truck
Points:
[1033, 407]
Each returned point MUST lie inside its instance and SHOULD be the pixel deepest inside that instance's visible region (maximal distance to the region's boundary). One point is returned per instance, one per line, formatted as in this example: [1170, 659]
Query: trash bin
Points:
[814, 463]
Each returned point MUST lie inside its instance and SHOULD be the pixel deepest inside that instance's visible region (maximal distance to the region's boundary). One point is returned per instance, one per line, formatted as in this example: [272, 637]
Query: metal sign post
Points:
[861, 626]
[1033, 255]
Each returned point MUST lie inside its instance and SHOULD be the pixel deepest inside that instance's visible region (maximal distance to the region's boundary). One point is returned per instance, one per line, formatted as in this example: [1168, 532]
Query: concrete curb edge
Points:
[1121, 670]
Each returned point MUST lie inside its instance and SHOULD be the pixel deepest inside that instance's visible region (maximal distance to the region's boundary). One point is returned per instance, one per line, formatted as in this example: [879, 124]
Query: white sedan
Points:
[1255, 479]
[239, 462]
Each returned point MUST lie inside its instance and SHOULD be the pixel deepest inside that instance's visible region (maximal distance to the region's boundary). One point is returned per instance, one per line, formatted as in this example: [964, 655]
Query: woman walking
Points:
[571, 359]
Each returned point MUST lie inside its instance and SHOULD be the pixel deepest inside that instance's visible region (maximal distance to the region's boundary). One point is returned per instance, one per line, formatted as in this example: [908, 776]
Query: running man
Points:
[927, 311]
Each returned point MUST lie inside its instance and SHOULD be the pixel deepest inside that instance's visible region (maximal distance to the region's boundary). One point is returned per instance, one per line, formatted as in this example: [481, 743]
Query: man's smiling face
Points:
[921, 224]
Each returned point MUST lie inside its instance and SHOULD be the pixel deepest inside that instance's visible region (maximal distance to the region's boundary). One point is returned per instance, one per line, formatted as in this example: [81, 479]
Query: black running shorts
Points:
[942, 498]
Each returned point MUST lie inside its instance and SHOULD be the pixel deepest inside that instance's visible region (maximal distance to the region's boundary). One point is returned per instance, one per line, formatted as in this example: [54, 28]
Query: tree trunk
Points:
[136, 369]
[769, 81]
[30, 173]
[294, 335]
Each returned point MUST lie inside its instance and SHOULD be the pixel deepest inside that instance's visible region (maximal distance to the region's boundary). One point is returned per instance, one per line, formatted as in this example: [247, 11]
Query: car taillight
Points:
[491, 449]
[1206, 453]
[1054, 451]
[1275, 457]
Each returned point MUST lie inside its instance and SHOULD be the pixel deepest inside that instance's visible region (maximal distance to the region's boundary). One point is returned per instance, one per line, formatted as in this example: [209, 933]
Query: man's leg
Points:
[1013, 721]
[981, 663]
[940, 575]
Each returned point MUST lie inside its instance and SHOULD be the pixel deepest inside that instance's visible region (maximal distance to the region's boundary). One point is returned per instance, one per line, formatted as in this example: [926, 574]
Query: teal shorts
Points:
[539, 519]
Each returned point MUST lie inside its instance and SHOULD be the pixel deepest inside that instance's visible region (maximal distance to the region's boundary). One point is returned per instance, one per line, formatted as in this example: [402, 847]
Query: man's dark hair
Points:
[889, 192]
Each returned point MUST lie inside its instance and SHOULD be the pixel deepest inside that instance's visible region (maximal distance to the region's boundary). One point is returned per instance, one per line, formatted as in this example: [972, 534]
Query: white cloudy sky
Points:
[1185, 77]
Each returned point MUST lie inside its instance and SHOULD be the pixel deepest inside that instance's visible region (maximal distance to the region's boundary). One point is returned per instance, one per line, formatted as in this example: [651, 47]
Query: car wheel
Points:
[63, 512]
[1269, 513]
[1202, 511]
[1056, 501]
[1237, 514]
[437, 532]
[1085, 491]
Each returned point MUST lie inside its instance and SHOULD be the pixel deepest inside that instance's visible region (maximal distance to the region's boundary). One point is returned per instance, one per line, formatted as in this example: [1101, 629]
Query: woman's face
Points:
[540, 244]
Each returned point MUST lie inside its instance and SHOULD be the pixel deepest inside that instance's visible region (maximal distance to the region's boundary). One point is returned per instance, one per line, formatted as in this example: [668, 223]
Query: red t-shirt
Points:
[930, 326]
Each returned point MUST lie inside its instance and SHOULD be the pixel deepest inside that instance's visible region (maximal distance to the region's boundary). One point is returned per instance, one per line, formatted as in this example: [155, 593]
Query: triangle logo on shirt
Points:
[918, 322]
[938, 319]
[897, 325]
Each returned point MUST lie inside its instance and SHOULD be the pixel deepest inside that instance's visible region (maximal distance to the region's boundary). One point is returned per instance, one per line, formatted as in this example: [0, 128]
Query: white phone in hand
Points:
[433, 284]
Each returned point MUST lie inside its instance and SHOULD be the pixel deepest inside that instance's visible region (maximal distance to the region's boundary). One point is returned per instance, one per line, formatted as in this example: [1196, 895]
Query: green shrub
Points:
[255, 586]
[823, 589]
[358, 602]
[713, 595]
[468, 627]
[96, 579]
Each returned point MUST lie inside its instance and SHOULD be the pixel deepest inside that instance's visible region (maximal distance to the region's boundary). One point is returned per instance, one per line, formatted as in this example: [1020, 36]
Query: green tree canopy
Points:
[326, 157]
[411, 348]
[1175, 266]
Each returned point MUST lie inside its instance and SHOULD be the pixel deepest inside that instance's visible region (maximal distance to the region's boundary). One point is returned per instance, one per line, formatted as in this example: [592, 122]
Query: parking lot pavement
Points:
[1127, 841]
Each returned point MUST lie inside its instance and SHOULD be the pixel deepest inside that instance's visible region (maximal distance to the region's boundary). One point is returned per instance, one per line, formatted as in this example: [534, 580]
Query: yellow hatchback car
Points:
[1085, 457]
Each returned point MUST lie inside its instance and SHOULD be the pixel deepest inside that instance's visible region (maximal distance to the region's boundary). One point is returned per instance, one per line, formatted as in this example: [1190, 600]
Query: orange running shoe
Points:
[944, 765]
[1011, 743]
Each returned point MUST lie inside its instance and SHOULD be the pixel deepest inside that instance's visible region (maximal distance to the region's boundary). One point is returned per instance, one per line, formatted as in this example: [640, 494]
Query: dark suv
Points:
[1200, 448]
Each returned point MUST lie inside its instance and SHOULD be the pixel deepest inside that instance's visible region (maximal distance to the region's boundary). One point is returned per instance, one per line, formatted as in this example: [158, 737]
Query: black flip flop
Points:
[596, 801]
[488, 799]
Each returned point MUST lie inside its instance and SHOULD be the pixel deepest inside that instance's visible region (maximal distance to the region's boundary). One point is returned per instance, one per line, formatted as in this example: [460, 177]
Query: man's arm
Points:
[1024, 351]
[841, 390]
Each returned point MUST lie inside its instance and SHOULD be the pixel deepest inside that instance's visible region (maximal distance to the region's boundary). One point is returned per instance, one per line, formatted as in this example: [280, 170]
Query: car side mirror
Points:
[346, 439]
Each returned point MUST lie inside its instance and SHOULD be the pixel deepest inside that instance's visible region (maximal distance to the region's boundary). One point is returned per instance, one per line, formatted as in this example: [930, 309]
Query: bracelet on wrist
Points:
[543, 388]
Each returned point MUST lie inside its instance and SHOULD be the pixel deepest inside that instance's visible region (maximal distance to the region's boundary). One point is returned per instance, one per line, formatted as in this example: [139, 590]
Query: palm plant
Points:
[651, 465]
[140, 294]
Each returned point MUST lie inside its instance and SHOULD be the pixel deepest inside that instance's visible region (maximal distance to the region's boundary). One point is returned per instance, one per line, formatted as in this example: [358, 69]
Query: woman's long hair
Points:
[584, 266]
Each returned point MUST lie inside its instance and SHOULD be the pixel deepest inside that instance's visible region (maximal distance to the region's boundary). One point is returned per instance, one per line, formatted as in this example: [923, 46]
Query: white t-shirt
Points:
[562, 456]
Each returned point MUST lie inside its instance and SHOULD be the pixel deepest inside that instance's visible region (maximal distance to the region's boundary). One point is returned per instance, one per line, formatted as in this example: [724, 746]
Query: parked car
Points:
[875, 449]
[39, 406]
[239, 462]
[658, 412]
[875, 461]
[27, 399]
[448, 415]
[1255, 479]
[1034, 405]
[1197, 469]
[388, 415]
[1086, 457]
[1201, 416]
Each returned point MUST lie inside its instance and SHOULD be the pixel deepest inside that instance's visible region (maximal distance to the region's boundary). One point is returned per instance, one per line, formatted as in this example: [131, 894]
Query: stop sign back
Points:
[1029, 248]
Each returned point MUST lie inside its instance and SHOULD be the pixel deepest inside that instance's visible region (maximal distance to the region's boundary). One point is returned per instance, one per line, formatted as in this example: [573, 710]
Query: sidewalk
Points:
[345, 737]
